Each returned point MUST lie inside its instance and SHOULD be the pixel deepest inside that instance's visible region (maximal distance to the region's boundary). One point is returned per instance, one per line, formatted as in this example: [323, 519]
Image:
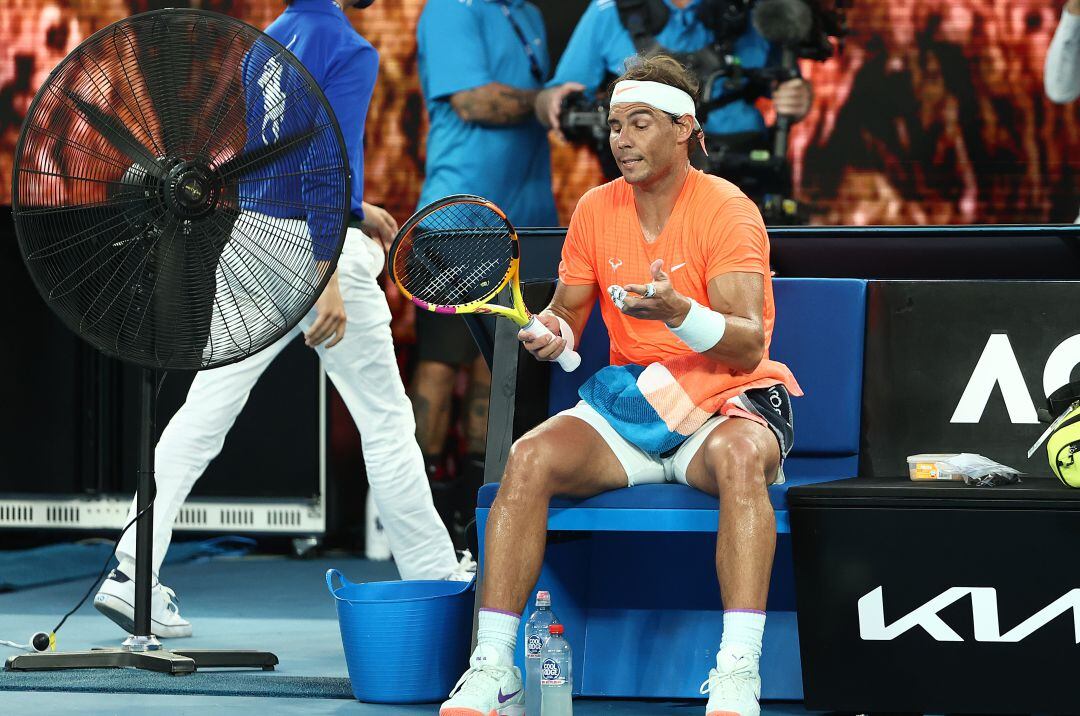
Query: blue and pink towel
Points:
[658, 406]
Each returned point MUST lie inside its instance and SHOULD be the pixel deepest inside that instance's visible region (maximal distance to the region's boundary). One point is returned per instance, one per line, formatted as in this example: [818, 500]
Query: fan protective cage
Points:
[181, 190]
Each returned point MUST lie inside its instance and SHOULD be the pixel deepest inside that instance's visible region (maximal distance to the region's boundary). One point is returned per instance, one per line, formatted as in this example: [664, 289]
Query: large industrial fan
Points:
[181, 193]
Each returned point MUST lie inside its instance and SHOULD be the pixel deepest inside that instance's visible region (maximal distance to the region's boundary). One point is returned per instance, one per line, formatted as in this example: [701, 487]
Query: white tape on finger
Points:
[618, 296]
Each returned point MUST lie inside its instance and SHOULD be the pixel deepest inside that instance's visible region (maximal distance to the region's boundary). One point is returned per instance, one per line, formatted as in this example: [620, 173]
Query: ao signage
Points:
[998, 366]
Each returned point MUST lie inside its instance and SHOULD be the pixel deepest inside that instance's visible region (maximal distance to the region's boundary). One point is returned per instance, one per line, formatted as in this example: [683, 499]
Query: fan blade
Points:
[117, 134]
[158, 43]
[258, 158]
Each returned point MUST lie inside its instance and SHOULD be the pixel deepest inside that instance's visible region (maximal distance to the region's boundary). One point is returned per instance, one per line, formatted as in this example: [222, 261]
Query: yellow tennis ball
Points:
[1062, 448]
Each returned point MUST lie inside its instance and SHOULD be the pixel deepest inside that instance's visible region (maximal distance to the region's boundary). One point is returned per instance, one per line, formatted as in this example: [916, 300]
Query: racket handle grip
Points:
[568, 360]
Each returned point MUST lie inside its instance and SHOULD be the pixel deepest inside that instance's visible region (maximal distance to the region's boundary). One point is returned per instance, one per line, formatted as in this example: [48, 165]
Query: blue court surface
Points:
[272, 603]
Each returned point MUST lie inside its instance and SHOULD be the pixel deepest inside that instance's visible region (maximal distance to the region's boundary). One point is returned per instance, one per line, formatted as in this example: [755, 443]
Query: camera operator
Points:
[1062, 75]
[711, 37]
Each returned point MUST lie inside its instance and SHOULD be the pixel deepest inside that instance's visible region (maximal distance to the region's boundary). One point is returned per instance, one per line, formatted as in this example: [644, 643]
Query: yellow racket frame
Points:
[517, 312]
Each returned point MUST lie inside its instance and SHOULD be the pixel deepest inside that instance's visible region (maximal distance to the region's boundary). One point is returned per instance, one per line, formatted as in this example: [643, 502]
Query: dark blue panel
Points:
[660, 497]
[644, 616]
[819, 335]
[656, 617]
[825, 467]
[594, 347]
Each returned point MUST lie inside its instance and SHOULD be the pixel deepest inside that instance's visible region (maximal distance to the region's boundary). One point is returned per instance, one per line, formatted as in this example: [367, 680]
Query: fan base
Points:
[162, 661]
[142, 643]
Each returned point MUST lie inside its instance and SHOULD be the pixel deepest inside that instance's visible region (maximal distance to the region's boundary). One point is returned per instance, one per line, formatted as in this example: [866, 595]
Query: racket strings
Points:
[457, 254]
[456, 287]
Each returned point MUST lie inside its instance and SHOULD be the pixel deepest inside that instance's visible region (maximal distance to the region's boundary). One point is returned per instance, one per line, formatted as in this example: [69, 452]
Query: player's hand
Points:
[544, 347]
[666, 304]
[793, 98]
[379, 224]
[330, 321]
[549, 101]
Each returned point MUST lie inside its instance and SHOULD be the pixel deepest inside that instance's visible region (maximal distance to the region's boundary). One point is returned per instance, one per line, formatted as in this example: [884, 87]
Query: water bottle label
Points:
[533, 645]
[551, 674]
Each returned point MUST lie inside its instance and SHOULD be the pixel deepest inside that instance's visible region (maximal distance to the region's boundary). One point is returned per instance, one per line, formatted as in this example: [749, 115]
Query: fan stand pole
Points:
[142, 650]
[145, 492]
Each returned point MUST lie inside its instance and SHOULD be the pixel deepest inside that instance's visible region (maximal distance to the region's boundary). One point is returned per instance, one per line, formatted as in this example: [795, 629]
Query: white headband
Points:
[656, 94]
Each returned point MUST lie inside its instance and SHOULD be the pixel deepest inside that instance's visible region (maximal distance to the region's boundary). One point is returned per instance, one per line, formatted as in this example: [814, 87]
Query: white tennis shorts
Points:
[643, 468]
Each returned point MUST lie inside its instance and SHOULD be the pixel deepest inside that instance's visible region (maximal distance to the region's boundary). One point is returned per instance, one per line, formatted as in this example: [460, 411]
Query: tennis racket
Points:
[455, 255]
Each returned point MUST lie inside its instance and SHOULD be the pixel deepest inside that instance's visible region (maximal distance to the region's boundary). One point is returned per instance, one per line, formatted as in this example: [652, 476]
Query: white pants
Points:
[365, 372]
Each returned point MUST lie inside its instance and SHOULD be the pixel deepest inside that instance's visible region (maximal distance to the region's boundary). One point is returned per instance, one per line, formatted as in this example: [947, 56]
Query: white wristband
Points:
[702, 328]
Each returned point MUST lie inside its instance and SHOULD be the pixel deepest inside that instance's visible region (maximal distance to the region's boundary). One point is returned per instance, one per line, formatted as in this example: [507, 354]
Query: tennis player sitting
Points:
[681, 262]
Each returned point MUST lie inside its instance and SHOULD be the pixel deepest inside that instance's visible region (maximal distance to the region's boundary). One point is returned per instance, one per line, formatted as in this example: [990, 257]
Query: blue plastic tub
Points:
[405, 642]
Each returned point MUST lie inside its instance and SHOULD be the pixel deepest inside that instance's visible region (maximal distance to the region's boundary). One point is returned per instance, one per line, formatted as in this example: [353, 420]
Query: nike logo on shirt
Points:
[676, 268]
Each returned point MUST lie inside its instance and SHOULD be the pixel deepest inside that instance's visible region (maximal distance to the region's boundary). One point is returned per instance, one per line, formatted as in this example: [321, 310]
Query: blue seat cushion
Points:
[660, 497]
[820, 324]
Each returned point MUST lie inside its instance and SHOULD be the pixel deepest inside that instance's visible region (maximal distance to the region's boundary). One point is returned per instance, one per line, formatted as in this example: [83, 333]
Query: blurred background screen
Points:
[934, 113]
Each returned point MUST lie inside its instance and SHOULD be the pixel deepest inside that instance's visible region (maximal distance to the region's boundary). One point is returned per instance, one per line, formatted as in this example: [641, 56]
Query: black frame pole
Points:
[146, 491]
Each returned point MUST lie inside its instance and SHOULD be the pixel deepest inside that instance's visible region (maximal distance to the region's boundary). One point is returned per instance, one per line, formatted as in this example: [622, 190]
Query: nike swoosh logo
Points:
[507, 697]
[676, 268]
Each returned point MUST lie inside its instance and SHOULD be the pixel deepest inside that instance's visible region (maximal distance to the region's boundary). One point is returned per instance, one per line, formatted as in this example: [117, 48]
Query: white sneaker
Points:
[733, 687]
[116, 600]
[465, 571]
[488, 688]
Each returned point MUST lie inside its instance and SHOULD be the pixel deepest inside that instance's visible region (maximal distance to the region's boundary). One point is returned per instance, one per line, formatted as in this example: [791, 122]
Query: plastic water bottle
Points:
[536, 633]
[556, 676]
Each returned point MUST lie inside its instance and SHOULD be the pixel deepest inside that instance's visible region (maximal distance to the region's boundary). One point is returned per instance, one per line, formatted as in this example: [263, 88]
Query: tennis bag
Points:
[1064, 442]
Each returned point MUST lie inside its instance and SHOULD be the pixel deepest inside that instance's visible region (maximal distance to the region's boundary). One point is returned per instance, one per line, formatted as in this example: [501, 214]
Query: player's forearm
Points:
[742, 346]
[572, 304]
[494, 103]
[734, 341]
[1062, 77]
[575, 319]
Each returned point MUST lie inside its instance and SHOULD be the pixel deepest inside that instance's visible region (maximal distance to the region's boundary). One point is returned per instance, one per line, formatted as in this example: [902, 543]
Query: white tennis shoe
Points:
[116, 600]
[733, 687]
[488, 688]
[465, 571]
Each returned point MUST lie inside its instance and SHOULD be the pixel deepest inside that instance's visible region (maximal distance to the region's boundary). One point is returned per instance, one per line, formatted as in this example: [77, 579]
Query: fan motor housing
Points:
[191, 190]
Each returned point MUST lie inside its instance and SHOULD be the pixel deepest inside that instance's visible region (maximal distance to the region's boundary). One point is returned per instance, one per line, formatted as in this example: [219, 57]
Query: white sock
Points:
[743, 630]
[127, 566]
[497, 632]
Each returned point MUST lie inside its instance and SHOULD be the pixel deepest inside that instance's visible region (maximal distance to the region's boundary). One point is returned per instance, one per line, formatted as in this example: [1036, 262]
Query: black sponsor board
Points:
[963, 366]
[937, 597]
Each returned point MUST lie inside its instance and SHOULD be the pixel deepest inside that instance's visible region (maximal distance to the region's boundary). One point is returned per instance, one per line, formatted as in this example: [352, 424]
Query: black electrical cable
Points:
[42, 641]
[108, 560]
[104, 569]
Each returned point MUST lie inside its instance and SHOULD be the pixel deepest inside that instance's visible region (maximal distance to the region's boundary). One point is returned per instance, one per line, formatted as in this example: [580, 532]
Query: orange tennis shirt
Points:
[713, 229]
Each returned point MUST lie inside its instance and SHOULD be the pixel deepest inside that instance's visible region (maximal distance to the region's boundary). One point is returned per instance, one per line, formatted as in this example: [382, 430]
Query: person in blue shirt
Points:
[601, 45]
[345, 69]
[482, 63]
[349, 325]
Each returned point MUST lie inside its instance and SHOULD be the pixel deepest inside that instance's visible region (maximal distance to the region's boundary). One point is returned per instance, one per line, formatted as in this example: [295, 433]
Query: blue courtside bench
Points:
[631, 572]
